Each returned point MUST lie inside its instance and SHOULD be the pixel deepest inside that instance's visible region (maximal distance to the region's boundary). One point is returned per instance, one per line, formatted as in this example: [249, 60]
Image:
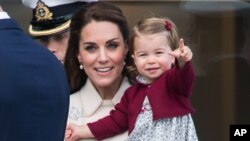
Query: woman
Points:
[95, 62]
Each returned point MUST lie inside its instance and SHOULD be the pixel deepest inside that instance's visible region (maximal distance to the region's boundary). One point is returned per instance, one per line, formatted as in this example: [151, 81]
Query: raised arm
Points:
[182, 78]
[183, 54]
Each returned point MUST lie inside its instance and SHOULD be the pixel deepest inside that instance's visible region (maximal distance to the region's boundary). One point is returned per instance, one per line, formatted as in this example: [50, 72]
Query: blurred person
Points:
[50, 22]
[34, 95]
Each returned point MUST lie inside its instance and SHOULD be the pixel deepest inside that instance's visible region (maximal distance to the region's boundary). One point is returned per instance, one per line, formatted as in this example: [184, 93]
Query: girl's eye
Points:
[112, 45]
[90, 48]
[158, 53]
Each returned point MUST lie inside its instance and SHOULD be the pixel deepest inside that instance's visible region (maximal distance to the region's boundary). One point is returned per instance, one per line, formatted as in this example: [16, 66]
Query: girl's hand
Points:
[75, 132]
[71, 133]
[183, 54]
[68, 133]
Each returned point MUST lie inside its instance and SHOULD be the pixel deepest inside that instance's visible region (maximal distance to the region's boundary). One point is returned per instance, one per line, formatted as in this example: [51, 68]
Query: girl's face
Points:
[151, 55]
[102, 52]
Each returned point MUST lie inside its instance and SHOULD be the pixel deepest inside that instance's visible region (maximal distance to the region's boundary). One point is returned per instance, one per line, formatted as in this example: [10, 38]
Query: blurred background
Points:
[218, 32]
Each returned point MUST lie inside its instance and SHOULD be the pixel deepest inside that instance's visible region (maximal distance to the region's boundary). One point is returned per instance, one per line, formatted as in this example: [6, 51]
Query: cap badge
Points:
[42, 11]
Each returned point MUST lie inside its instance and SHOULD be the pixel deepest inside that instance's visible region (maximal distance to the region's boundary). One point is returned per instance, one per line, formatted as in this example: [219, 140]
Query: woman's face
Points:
[102, 52]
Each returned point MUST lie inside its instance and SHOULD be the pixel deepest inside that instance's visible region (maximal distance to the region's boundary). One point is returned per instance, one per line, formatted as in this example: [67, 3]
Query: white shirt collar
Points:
[4, 15]
[91, 100]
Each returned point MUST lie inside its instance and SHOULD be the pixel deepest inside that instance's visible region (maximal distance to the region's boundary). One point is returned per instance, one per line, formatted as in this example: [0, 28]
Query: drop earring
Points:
[81, 67]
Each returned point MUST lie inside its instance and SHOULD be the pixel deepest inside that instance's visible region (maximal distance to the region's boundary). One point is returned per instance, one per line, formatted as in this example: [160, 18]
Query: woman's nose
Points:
[103, 56]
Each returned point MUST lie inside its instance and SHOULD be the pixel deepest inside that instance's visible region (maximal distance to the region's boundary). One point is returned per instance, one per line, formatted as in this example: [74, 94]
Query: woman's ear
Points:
[79, 58]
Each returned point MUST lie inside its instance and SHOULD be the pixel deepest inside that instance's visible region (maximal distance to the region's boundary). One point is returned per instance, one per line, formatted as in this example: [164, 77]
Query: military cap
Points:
[51, 17]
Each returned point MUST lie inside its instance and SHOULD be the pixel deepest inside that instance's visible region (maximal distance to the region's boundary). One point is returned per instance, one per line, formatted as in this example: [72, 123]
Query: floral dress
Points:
[167, 129]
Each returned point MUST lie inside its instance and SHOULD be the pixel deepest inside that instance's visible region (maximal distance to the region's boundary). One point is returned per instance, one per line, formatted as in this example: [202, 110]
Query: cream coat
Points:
[87, 106]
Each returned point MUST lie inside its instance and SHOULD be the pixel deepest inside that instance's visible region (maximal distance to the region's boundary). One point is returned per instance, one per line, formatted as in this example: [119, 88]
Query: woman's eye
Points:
[142, 54]
[112, 45]
[90, 48]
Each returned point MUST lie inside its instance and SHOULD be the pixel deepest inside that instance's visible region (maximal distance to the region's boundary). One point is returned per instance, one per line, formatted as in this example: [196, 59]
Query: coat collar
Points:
[91, 100]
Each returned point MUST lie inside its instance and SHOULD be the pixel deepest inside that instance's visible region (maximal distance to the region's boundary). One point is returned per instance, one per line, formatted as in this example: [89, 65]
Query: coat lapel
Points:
[91, 100]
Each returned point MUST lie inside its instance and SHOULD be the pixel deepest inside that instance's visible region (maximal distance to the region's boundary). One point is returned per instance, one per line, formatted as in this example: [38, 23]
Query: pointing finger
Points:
[181, 45]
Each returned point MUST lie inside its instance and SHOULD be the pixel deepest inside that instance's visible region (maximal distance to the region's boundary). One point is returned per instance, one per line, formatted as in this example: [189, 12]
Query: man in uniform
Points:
[50, 22]
[34, 94]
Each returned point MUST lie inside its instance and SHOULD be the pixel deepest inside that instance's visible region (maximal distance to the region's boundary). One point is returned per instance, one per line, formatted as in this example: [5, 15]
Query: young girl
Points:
[157, 107]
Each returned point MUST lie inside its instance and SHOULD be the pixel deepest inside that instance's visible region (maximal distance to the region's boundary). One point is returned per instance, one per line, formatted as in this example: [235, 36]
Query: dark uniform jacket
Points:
[34, 94]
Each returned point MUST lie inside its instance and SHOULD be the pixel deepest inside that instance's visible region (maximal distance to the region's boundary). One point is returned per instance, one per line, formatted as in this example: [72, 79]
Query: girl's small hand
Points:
[183, 54]
[68, 133]
[71, 133]
[75, 132]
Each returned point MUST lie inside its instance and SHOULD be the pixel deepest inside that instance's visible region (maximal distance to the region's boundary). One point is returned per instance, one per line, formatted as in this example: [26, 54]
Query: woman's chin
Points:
[104, 82]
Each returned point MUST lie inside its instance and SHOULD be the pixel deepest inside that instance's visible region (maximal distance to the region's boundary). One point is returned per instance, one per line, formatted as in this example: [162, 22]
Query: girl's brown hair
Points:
[151, 26]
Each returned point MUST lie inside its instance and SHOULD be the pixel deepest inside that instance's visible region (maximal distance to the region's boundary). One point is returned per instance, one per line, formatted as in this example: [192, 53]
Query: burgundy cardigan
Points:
[168, 96]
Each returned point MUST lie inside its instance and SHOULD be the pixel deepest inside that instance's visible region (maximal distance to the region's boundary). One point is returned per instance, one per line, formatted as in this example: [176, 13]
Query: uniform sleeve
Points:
[115, 123]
